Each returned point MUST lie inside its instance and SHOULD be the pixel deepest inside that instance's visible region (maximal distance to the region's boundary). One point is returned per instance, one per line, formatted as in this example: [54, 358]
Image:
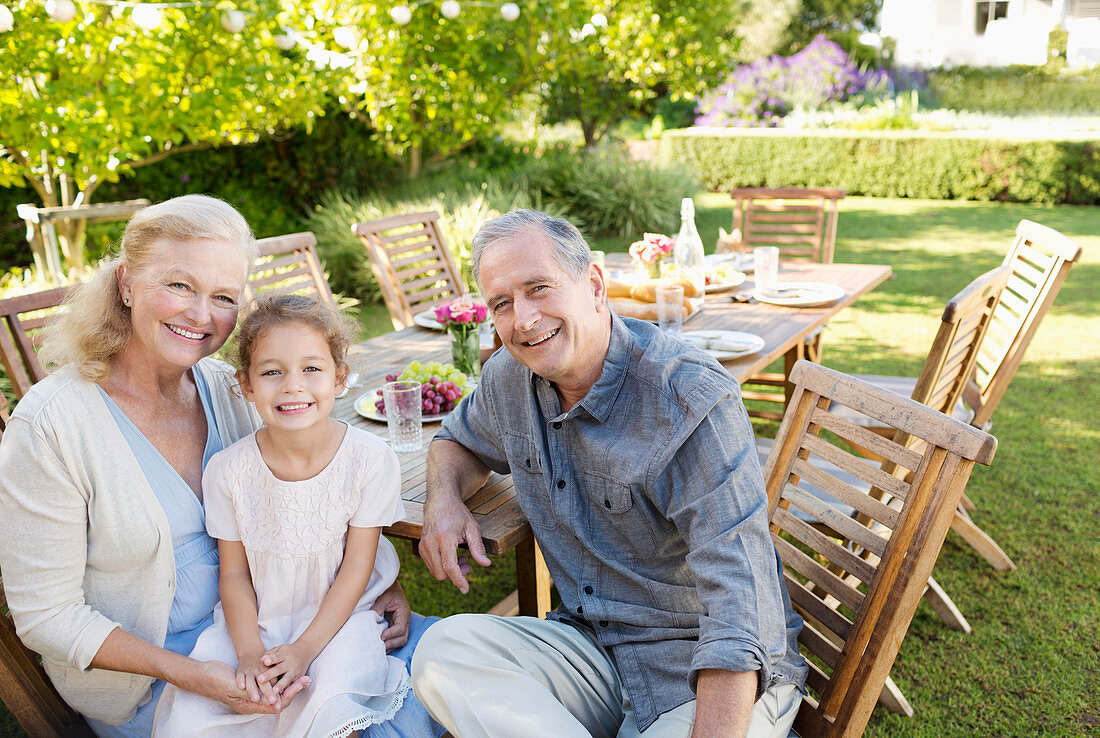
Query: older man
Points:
[634, 461]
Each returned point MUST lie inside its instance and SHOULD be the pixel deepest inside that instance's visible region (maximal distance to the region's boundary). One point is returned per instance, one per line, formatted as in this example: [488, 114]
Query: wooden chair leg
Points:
[533, 579]
[982, 542]
[967, 504]
[945, 607]
[893, 700]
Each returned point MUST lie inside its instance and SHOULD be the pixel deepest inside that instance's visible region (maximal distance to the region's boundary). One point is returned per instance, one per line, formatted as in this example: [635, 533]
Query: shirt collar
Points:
[601, 396]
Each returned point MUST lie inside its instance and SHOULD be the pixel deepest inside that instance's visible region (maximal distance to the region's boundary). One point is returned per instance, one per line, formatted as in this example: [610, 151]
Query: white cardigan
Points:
[85, 546]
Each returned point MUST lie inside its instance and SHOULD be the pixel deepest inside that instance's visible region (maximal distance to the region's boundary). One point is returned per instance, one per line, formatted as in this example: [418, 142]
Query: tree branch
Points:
[168, 152]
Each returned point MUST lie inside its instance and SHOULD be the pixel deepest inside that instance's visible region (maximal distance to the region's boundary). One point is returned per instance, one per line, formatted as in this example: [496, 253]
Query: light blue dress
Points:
[196, 558]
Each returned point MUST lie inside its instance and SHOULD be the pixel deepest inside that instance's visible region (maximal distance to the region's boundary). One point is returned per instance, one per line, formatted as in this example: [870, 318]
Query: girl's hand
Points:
[218, 682]
[249, 668]
[287, 663]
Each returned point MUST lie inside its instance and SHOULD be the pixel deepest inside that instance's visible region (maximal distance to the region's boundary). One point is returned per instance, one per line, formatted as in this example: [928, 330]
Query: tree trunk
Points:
[412, 161]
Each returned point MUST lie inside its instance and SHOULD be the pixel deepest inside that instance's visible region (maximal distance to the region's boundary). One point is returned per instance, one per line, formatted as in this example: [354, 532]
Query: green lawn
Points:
[1032, 664]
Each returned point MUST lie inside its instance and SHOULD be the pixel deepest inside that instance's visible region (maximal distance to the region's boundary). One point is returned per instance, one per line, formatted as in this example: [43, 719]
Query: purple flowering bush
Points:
[761, 93]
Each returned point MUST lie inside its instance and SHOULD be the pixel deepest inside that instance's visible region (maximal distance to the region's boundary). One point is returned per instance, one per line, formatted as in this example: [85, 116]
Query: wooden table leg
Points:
[532, 580]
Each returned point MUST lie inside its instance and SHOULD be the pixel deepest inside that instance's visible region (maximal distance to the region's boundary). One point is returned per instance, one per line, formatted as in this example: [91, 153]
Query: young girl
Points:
[297, 509]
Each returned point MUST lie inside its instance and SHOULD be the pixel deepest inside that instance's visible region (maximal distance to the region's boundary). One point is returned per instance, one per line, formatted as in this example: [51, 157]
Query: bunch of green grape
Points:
[441, 386]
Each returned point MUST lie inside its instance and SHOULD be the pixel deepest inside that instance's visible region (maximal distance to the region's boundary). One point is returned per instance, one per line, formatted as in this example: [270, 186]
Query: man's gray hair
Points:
[570, 248]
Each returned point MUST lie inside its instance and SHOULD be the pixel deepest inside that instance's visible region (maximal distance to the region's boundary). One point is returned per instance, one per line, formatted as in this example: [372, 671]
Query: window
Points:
[988, 11]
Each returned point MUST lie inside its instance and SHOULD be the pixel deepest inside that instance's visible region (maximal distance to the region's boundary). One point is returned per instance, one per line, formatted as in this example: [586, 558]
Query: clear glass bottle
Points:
[687, 255]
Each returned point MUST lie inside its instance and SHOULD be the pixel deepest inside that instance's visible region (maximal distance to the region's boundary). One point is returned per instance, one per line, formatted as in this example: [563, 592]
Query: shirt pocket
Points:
[525, 463]
[612, 518]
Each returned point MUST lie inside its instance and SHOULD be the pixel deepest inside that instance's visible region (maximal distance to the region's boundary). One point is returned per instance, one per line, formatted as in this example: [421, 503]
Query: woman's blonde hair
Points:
[94, 324]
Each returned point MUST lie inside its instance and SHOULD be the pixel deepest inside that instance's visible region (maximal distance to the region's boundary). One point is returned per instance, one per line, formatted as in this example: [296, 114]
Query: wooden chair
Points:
[289, 265]
[801, 223]
[858, 595]
[26, 690]
[1039, 261]
[20, 319]
[411, 263]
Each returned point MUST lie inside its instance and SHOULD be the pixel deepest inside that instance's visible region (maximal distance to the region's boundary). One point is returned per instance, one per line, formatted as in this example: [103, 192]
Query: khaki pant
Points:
[482, 675]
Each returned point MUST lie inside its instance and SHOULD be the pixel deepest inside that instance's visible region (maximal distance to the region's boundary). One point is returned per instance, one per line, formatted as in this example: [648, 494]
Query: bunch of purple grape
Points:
[437, 395]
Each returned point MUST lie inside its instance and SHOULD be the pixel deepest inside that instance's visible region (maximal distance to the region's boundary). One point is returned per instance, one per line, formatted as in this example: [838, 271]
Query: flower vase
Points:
[648, 270]
[466, 351]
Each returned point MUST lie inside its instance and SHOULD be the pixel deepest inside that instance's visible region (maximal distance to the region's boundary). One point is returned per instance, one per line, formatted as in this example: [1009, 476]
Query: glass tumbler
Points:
[404, 415]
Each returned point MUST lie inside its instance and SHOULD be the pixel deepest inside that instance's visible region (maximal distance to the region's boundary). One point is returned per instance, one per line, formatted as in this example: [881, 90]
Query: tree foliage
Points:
[433, 86]
[600, 60]
[90, 98]
[840, 20]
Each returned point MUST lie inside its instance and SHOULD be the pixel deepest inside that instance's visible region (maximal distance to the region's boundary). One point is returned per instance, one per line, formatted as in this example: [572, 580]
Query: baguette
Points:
[628, 307]
[646, 291]
[617, 287]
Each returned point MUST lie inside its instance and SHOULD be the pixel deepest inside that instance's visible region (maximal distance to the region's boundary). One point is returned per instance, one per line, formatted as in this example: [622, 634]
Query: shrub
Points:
[887, 164]
[605, 194]
[760, 93]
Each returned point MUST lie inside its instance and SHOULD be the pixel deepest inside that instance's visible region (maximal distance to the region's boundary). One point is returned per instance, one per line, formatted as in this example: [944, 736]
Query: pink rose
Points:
[461, 311]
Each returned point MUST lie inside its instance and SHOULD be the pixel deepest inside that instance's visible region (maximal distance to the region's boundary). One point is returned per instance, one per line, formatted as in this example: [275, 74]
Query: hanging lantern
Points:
[233, 21]
[61, 11]
[146, 17]
[450, 9]
[7, 20]
[286, 40]
[509, 11]
[401, 14]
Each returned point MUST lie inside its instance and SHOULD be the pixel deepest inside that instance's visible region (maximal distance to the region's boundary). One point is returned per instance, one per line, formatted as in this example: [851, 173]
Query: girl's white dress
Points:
[293, 534]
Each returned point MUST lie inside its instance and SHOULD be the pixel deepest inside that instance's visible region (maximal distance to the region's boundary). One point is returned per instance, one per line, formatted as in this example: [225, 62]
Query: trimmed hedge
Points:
[928, 165]
[1015, 90]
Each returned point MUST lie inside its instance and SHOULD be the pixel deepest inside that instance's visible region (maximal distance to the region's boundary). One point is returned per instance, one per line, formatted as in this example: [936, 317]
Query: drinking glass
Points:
[670, 308]
[766, 267]
[404, 415]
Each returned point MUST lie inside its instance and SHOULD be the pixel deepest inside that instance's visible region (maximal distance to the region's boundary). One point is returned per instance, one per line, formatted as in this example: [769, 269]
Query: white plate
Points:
[800, 294]
[427, 320]
[742, 262]
[725, 286]
[364, 405]
[724, 345]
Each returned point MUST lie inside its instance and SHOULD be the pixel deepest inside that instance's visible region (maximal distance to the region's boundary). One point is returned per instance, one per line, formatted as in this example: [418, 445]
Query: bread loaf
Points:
[646, 290]
[628, 307]
[617, 287]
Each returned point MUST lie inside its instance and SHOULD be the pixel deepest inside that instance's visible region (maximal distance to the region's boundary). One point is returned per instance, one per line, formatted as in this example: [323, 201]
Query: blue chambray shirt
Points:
[648, 503]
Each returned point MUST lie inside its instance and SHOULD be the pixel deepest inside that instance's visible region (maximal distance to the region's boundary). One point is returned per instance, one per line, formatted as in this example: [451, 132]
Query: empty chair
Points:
[289, 265]
[411, 263]
[858, 594]
[801, 223]
[1039, 261]
[20, 320]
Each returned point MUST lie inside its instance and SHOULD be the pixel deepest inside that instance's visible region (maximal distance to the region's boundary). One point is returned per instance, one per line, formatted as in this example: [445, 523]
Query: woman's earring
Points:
[126, 301]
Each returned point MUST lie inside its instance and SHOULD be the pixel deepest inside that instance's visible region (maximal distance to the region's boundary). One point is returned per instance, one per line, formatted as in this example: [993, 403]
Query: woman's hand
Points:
[393, 606]
[287, 664]
[218, 681]
[249, 668]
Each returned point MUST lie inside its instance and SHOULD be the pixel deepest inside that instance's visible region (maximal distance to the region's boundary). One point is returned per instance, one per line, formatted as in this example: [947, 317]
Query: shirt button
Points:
[607, 504]
[528, 463]
[561, 484]
[588, 590]
[556, 425]
[603, 623]
[580, 610]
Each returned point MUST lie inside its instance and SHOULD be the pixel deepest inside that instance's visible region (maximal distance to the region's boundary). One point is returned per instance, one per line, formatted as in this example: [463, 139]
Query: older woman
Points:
[108, 569]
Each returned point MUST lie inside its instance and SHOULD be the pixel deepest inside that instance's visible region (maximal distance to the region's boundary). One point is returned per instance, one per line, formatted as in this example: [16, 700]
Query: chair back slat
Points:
[411, 262]
[21, 319]
[1040, 260]
[857, 600]
[289, 265]
[801, 222]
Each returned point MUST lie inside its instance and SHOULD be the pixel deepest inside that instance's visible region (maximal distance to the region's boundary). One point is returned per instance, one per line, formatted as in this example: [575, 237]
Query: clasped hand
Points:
[276, 675]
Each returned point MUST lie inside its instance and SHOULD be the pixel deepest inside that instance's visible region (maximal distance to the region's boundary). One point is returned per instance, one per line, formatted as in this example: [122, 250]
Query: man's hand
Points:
[448, 523]
[249, 667]
[393, 606]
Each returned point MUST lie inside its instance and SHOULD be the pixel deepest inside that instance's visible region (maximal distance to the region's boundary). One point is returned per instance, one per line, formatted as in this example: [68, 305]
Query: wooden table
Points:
[495, 508]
